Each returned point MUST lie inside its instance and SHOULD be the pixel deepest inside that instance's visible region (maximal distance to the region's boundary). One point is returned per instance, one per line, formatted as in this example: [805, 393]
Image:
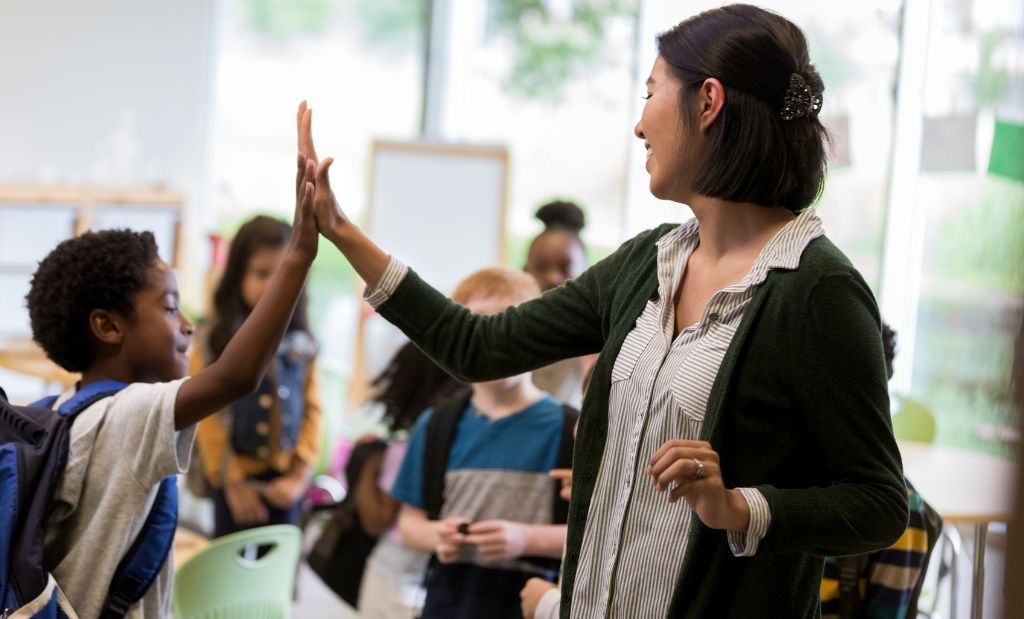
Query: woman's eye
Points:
[646, 97]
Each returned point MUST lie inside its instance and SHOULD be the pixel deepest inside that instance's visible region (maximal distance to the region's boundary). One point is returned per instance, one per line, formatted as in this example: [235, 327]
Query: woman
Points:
[741, 363]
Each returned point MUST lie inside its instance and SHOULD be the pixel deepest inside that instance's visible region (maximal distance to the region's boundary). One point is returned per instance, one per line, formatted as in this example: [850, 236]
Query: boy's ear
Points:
[106, 326]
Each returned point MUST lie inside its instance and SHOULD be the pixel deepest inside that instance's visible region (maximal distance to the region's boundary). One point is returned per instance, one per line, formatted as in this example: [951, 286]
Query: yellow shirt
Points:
[213, 437]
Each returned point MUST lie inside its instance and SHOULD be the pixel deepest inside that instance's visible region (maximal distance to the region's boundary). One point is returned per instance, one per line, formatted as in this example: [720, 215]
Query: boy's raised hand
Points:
[305, 238]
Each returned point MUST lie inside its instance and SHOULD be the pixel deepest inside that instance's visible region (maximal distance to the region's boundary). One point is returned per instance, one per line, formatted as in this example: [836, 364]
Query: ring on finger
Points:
[699, 472]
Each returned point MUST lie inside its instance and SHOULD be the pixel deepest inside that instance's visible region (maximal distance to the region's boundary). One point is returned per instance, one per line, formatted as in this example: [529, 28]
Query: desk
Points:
[965, 488]
[186, 545]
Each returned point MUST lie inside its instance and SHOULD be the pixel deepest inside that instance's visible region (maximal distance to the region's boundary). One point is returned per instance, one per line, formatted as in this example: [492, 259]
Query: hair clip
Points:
[801, 100]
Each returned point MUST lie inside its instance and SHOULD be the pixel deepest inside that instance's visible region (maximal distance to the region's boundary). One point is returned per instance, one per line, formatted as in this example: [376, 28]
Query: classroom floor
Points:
[316, 601]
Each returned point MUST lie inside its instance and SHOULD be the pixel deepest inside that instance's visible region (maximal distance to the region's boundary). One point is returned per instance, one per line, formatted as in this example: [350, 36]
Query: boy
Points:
[498, 499]
[105, 305]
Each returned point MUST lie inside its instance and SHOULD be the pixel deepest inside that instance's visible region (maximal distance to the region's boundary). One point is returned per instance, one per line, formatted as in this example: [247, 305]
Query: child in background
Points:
[257, 453]
[392, 586]
[105, 305]
[497, 505]
[556, 256]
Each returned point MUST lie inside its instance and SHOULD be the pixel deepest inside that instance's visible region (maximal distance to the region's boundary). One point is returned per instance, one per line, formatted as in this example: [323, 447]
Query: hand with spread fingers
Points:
[690, 470]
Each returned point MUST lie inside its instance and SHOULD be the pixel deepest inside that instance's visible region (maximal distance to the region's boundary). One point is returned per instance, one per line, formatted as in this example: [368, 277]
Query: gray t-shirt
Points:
[120, 449]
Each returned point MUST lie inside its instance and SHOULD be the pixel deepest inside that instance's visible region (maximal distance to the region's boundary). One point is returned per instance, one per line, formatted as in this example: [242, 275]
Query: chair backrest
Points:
[913, 421]
[227, 579]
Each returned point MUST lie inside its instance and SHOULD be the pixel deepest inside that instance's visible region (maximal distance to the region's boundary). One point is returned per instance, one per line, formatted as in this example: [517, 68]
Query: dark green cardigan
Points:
[799, 410]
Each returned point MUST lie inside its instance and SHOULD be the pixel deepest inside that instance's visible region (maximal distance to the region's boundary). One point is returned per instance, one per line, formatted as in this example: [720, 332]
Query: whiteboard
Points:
[439, 208]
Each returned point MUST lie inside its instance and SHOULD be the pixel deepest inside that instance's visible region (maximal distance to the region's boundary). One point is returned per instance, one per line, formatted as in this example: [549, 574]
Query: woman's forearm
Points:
[368, 260]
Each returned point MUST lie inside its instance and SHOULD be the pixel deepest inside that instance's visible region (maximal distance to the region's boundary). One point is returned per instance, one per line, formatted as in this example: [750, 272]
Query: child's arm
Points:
[239, 369]
[440, 537]
[499, 540]
[375, 507]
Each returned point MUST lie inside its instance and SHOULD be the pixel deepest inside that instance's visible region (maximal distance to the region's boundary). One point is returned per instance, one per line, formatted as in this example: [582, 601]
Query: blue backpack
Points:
[33, 452]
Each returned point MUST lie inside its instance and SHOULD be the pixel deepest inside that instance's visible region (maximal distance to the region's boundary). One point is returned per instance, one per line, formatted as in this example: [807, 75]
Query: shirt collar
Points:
[783, 251]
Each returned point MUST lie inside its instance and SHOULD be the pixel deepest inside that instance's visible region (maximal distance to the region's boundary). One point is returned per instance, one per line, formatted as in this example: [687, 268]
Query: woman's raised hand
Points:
[365, 257]
[690, 470]
[328, 214]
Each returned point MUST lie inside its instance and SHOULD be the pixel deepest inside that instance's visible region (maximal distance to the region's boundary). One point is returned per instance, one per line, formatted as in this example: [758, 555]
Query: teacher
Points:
[737, 424]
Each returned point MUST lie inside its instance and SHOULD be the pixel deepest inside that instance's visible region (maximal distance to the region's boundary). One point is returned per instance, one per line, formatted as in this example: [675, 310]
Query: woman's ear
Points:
[107, 327]
[710, 101]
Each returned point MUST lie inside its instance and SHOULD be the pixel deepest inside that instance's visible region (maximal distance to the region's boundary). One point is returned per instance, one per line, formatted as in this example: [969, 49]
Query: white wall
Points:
[111, 93]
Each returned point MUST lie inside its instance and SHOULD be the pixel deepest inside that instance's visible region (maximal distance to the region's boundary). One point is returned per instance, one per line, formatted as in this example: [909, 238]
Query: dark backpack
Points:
[33, 453]
[441, 431]
[339, 554]
[859, 597]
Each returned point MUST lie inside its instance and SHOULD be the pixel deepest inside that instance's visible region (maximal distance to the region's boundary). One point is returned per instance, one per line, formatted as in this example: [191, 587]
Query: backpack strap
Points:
[146, 557]
[87, 396]
[444, 420]
[148, 553]
[560, 508]
[850, 570]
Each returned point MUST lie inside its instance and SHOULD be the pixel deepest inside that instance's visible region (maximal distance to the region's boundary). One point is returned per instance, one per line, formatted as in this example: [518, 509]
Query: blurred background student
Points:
[557, 255]
[392, 586]
[257, 454]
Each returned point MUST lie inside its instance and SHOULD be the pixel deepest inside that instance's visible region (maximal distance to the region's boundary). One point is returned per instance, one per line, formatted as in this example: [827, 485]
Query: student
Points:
[557, 255]
[257, 453]
[498, 499]
[392, 586]
[737, 425]
[105, 305]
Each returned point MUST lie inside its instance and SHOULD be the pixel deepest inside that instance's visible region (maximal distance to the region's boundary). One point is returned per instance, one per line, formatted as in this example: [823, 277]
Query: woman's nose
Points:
[637, 131]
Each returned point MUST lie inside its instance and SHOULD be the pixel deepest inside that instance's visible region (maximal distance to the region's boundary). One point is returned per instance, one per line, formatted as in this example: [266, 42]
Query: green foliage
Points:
[551, 50]
[285, 18]
[396, 25]
[991, 83]
[985, 243]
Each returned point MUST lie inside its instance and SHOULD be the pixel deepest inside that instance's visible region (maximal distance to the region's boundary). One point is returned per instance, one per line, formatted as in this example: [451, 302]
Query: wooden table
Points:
[186, 544]
[965, 487]
[25, 357]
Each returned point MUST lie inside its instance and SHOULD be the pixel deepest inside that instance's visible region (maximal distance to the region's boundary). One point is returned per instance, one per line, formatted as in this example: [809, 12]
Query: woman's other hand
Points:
[690, 470]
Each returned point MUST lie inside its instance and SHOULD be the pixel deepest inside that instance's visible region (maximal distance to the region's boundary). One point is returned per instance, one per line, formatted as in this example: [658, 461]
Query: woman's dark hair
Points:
[97, 270]
[229, 309]
[752, 153]
[410, 384]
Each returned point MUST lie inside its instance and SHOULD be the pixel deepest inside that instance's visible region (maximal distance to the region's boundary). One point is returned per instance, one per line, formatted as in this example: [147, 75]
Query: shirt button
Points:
[266, 401]
[262, 428]
[713, 317]
[262, 452]
[283, 392]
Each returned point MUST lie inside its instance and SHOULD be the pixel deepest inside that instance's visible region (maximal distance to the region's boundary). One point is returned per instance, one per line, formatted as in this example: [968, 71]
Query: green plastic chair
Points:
[221, 582]
[913, 421]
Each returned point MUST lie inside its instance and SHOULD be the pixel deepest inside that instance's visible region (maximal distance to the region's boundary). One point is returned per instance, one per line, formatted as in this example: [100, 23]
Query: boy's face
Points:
[156, 339]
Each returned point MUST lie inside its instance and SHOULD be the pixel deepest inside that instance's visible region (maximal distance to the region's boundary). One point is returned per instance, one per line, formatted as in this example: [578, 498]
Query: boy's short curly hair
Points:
[97, 270]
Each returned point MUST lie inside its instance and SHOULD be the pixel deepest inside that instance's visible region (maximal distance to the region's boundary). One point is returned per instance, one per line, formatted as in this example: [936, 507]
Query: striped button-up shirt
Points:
[635, 540]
